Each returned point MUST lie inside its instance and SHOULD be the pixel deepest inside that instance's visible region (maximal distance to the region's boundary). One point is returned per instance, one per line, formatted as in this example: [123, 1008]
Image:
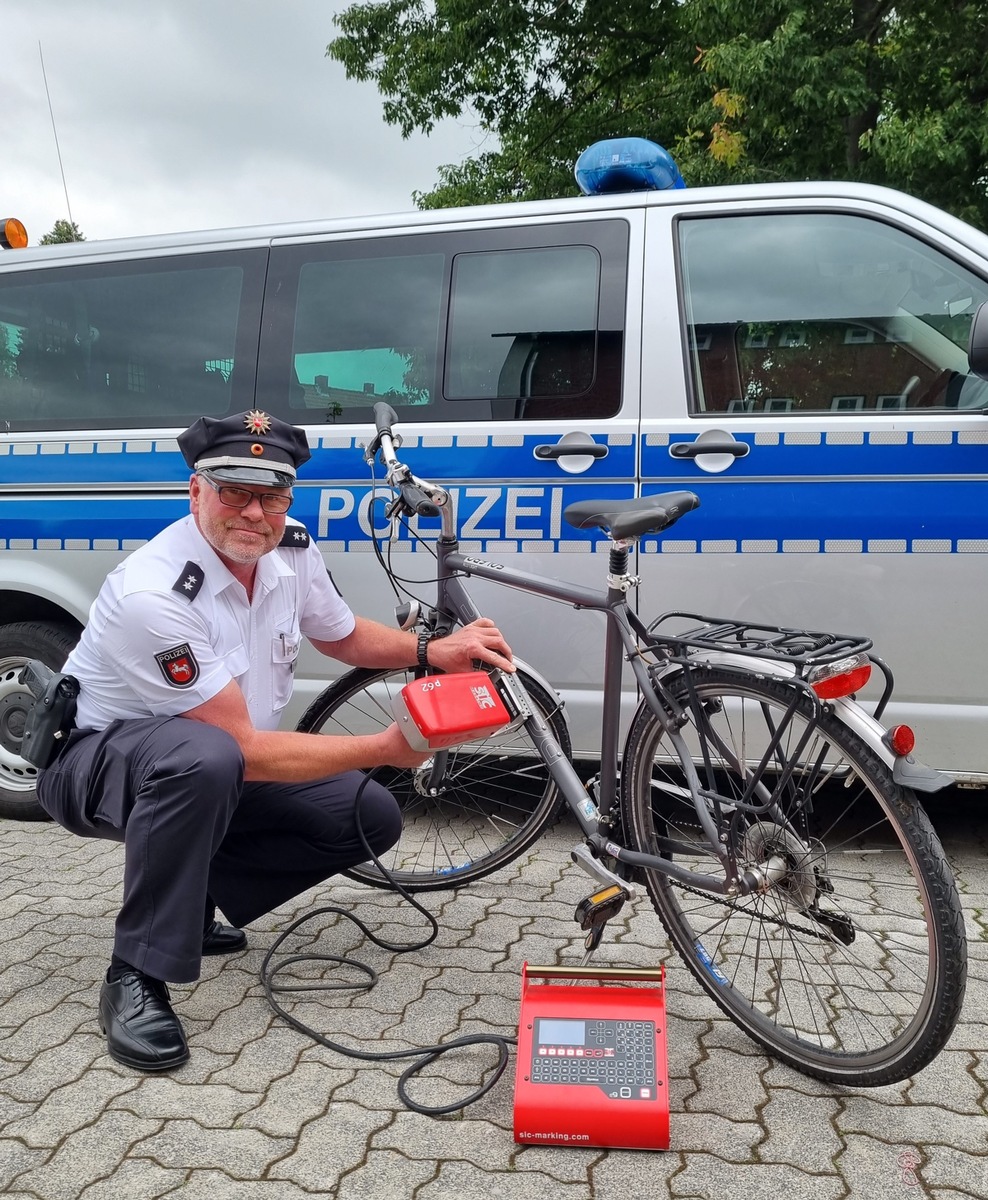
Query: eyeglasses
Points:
[235, 497]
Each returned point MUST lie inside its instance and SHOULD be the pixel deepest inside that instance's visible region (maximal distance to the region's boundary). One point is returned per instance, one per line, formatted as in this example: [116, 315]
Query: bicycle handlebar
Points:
[413, 495]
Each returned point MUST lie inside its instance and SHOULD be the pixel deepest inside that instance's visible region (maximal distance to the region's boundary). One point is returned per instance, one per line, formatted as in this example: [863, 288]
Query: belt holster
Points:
[52, 717]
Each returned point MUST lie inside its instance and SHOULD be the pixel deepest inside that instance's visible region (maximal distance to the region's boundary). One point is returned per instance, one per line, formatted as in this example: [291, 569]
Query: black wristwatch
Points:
[423, 650]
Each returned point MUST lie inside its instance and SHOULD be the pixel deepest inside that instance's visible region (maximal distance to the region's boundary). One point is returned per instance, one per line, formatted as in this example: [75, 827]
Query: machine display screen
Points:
[562, 1033]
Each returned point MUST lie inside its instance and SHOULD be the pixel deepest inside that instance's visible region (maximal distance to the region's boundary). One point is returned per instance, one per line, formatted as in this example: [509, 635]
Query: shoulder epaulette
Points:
[190, 581]
[296, 537]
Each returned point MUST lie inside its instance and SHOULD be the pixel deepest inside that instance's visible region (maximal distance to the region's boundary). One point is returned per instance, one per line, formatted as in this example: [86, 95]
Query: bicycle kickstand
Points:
[593, 913]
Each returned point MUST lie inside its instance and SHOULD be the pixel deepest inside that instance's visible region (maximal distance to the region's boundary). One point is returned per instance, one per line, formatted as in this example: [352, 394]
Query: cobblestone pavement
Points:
[263, 1113]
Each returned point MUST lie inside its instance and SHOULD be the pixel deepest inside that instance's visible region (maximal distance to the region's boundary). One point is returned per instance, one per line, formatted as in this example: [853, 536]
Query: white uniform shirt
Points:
[171, 627]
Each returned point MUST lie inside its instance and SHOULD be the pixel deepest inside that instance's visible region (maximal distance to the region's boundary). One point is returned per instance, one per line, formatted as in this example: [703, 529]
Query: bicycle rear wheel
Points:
[851, 966]
[495, 799]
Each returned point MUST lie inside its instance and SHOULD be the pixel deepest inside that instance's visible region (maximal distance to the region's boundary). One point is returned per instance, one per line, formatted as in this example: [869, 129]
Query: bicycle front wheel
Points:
[850, 965]
[495, 797]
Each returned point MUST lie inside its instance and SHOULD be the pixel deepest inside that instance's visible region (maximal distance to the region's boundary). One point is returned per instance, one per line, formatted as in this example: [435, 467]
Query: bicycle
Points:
[773, 821]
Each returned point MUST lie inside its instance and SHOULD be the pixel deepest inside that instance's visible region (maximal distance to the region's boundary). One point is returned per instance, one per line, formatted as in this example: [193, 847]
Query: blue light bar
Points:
[626, 165]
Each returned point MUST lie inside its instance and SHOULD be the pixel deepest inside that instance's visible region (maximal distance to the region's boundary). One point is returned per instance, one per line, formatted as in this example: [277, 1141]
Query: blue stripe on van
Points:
[443, 456]
[802, 518]
[809, 453]
[506, 503]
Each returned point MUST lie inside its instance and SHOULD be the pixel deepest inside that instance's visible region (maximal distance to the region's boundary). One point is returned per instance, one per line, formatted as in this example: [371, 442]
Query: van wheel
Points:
[20, 642]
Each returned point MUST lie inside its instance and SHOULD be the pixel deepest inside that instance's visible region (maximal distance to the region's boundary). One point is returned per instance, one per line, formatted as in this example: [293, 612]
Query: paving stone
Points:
[15, 1160]
[55, 1066]
[88, 1155]
[946, 1167]
[214, 1185]
[951, 1081]
[420, 1137]
[384, 1173]
[243, 1153]
[708, 1178]
[885, 1165]
[292, 1101]
[466, 1183]
[330, 1147]
[211, 1105]
[800, 1130]
[915, 1124]
[621, 1174]
[137, 1179]
[68, 1108]
[735, 1140]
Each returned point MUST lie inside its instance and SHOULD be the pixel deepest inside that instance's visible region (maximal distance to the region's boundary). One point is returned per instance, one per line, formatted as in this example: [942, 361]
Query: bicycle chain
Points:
[751, 913]
[733, 904]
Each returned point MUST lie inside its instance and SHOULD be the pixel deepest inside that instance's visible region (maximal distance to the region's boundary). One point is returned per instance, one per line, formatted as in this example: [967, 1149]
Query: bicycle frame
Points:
[622, 642]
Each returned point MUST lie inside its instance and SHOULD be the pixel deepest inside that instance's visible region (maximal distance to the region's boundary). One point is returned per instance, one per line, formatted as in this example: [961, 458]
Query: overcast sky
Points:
[196, 114]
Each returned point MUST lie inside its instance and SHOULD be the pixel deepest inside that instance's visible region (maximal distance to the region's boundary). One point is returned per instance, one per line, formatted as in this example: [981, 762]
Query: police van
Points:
[794, 353]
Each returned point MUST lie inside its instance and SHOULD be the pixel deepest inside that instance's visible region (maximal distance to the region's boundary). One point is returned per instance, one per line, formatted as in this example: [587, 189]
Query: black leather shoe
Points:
[141, 1029]
[223, 939]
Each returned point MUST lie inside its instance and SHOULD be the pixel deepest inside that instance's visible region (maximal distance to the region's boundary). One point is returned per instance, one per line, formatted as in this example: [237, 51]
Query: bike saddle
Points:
[631, 518]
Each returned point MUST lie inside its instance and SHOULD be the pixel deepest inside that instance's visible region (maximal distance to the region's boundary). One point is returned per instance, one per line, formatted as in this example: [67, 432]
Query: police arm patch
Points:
[178, 665]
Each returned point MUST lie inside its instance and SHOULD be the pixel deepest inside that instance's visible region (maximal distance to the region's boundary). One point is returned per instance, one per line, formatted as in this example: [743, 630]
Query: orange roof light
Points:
[13, 235]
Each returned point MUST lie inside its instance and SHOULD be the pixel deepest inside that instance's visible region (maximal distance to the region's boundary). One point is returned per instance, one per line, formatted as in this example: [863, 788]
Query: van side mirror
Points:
[977, 347]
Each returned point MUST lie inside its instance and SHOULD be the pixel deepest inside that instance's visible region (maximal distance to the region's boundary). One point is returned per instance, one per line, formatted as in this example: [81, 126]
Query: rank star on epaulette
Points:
[190, 581]
[296, 537]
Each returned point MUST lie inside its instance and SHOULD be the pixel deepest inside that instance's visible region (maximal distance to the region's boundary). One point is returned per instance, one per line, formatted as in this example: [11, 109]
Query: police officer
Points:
[184, 668]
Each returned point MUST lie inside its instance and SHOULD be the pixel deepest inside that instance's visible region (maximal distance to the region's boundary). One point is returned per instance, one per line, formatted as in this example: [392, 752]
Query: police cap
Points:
[248, 447]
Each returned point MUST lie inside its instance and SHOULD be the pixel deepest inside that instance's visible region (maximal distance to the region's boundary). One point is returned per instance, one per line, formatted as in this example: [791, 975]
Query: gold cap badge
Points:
[257, 422]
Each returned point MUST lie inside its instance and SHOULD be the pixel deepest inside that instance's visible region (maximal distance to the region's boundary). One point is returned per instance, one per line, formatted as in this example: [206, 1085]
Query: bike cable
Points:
[424, 1055]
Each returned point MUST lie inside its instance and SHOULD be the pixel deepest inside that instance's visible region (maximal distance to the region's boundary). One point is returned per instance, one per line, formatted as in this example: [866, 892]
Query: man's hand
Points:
[396, 752]
[481, 639]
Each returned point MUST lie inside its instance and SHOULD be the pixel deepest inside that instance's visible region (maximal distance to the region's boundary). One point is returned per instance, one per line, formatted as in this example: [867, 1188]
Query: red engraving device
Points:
[445, 710]
[592, 1067]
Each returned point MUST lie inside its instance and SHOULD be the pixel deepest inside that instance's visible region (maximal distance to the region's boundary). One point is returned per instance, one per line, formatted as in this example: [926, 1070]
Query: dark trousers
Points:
[172, 790]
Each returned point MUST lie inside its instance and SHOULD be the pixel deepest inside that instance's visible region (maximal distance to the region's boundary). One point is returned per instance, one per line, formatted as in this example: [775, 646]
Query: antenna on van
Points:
[51, 111]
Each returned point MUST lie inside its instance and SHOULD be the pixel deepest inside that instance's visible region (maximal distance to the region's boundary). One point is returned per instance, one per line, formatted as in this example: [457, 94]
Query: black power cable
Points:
[424, 1055]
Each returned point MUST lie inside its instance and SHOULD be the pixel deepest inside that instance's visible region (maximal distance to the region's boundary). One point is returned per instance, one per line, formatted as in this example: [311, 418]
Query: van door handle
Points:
[695, 449]
[562, 450]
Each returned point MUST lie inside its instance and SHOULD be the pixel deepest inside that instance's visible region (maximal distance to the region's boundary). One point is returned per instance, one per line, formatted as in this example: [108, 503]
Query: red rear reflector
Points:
[842, 683]
[901, 740]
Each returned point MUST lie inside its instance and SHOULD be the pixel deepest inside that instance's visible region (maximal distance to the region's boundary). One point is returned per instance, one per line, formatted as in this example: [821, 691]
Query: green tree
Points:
[63, 231]
[882, 91]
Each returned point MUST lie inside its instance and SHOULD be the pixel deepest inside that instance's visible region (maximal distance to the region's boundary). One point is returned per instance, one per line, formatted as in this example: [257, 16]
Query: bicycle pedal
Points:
[594, 911]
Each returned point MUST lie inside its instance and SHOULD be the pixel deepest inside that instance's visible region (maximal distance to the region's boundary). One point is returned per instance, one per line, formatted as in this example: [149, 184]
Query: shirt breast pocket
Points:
[285, 645]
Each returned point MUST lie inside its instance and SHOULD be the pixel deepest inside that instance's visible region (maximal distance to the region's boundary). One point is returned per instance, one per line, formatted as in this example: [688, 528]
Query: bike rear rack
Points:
[805, 647]
[802, 648]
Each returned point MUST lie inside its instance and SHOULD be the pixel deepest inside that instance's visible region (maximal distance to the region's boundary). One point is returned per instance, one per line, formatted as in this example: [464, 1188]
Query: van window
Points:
[366, 329]
[813, 312]
[147, 343]
[490, 324]
[523, 323]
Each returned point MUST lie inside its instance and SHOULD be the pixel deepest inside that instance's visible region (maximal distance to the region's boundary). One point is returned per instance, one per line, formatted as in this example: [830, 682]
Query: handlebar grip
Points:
[417, 501]
[384, 417]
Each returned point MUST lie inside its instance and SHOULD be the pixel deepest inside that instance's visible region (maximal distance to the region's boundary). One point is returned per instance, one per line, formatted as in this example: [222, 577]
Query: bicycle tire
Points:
[498, 800]
[870, 1012]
